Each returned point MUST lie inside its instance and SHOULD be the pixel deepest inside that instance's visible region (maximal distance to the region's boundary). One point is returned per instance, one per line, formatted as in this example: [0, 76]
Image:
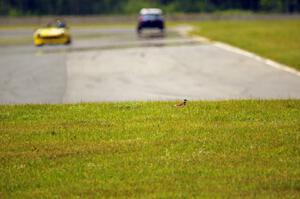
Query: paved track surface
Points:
[114, 64]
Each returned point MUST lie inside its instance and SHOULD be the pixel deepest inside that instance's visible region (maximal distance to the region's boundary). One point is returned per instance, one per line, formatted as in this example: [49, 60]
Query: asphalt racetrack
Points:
[114, 64]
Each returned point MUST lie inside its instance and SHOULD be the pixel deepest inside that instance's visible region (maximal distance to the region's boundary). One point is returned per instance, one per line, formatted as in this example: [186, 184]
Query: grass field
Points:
[278, 40]
[151, 150]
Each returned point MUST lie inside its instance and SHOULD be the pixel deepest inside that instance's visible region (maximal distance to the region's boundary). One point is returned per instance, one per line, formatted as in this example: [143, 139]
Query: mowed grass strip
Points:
[274, 39]
[151, 150]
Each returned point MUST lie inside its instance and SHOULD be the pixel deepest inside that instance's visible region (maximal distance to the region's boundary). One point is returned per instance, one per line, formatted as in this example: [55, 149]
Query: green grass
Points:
[278, 40]
[18, 27]
[26, 40]
[72, 25]
[222, 149]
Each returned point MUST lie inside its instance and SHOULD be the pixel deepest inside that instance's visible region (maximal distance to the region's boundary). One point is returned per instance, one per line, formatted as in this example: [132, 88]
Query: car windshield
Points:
[57, 24]
[151, 17]
[60, 24]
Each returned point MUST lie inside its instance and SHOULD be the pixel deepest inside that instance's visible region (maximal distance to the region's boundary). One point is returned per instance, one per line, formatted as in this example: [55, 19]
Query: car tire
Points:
[139, 31]
[68, 42]
[162, 32]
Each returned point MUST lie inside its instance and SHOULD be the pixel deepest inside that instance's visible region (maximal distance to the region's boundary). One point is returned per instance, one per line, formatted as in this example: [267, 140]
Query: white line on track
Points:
[256, 57]
[186, 29]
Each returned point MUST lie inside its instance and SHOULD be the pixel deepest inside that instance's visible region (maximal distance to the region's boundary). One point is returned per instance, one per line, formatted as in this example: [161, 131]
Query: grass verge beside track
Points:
[151, 149]
[274, 39]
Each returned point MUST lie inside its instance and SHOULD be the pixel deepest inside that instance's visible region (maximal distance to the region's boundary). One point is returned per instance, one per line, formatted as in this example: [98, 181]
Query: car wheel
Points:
[139, 31]
[38, 45]
[68, 42]
[162, 32]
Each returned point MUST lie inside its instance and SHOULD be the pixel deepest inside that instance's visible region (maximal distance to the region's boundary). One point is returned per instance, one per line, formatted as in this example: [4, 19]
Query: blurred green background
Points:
[104, 7]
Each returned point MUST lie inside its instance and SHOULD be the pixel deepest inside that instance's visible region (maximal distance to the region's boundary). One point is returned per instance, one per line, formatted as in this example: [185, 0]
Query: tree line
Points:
[99, 7]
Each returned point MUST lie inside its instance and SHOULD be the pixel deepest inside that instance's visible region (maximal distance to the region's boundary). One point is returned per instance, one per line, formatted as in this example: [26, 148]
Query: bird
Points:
[181, 104]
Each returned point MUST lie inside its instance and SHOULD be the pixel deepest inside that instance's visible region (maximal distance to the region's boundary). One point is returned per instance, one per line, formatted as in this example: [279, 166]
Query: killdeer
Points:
[182, 104]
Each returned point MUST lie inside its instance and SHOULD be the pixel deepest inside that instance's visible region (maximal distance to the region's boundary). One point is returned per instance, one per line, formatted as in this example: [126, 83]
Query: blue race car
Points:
[151, 18]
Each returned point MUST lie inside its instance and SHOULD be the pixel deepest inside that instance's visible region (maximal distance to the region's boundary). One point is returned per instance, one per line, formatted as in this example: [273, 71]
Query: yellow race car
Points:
[57, 33]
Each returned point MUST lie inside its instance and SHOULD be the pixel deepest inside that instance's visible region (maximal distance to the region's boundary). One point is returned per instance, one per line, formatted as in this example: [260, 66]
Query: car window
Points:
[61, 25]
[151, 17]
